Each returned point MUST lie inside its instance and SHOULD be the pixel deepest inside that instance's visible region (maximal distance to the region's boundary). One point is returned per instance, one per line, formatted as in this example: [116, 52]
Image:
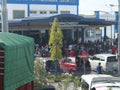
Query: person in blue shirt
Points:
[99, 68]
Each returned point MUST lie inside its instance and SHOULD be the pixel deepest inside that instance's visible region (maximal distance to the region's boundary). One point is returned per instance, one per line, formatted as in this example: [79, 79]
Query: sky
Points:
[88, 7]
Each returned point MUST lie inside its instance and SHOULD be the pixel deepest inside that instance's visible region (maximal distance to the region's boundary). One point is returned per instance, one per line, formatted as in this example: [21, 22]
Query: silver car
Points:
[108, 62]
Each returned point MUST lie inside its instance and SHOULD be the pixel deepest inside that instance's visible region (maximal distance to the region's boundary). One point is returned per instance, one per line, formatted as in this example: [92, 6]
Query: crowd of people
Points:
[75, 49]
[72, 49]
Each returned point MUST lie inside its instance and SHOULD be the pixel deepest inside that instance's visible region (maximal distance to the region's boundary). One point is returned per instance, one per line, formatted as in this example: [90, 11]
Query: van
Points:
[99, 82]
[108, 62]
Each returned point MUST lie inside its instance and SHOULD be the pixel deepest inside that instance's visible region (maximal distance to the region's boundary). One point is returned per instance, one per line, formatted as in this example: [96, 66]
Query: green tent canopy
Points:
[18, 59]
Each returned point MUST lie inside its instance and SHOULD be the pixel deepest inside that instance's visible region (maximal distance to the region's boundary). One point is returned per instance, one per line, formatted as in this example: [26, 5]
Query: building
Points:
[34, 17]
[18, 9]
[112, 30]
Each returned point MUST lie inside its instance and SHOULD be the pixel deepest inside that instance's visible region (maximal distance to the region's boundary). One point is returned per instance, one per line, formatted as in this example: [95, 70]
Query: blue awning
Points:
[61, 18]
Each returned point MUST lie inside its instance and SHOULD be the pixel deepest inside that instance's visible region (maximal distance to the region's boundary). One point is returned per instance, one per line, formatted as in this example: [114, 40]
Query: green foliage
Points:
[55, 40]
[64, 81]
[77, 82]
[110, 88]
[40, 74]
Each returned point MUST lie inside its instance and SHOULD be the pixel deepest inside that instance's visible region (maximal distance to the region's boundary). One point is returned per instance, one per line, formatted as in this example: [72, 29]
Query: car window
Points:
[99, 82]
[96, 58]
[102, 58]
[70, 61]
[112, 59]
[64, 60]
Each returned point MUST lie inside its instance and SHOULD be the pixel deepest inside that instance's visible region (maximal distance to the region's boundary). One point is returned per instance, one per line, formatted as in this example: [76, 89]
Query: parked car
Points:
[108, 62]
[73, 64]
[99, 82]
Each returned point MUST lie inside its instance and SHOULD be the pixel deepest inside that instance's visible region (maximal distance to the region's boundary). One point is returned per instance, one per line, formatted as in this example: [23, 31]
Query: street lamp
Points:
[4, 16]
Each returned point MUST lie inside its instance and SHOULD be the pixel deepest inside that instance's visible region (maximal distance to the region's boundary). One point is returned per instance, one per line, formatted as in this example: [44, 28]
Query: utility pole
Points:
[119, 38]
[111, 6]
[4, 17]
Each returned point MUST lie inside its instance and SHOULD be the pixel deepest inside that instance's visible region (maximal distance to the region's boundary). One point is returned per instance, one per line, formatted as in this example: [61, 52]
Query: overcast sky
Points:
[89, 6]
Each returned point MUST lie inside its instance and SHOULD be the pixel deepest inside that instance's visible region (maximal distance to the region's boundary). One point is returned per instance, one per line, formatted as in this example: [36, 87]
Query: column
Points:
[116, 24]
[105, 36]
[97, 14]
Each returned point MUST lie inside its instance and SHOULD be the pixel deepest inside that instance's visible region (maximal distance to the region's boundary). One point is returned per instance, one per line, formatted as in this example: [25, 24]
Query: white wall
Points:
[12, 7]
[39, 7]
[42, 7]
[72, 9]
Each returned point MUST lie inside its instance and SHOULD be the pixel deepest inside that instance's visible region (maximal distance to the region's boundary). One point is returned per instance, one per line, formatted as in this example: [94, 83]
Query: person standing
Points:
[72, 53]
[99, 68]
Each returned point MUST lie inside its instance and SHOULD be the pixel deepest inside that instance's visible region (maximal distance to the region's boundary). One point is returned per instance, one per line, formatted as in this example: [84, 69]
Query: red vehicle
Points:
[71, 64]
[68, 64]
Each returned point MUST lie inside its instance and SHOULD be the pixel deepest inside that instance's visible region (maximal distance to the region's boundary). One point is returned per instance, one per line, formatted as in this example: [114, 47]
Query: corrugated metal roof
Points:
[61, 18]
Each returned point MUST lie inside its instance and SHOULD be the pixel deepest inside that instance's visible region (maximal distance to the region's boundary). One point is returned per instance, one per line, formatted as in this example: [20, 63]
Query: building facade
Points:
[111, 31]
[18, 9]
[74, 29]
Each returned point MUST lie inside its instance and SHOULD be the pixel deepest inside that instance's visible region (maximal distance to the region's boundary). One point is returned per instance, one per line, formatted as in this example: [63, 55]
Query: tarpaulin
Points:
[18, 59]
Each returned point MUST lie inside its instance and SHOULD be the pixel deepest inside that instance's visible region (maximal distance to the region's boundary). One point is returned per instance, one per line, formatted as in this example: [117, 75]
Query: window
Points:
[65, 60]
[70, 61]
[17, 14]
[102, 58]
[33, 12]
[43, 12]
[65, 12]
[89, 33]
[96, 58]
[53, 12]
[112, 59]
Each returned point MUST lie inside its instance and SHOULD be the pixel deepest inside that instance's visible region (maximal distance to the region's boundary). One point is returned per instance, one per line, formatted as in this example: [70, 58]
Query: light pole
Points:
[111, 5]
[4, 17]
[119, 38]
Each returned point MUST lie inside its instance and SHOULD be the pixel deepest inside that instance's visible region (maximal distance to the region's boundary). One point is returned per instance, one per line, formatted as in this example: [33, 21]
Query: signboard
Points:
[108, 17]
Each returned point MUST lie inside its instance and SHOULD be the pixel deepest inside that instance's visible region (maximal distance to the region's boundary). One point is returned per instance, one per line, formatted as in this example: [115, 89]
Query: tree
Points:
[56, 40]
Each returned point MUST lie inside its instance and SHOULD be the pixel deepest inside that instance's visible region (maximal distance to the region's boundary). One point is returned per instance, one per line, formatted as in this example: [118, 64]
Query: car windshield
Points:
[98, 82]
[112, 59]
[108, 88]
[104, 81]
[102, 85]
[71, 61]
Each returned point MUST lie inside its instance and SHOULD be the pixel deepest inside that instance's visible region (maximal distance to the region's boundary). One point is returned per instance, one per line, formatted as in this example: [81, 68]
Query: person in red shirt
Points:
[72, 53]
[114, 49]
[85, 53]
